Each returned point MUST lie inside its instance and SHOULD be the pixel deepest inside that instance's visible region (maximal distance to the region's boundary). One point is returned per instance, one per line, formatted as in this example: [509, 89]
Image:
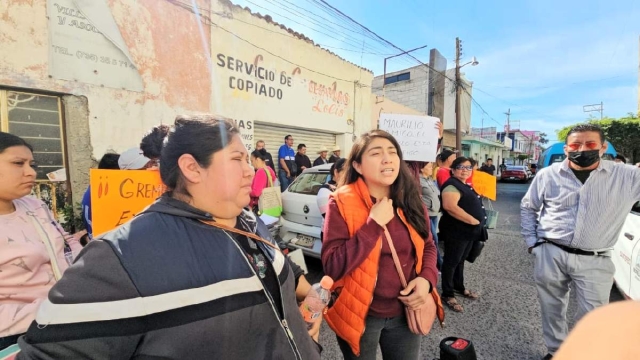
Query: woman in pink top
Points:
[32, 243]
[261, 180]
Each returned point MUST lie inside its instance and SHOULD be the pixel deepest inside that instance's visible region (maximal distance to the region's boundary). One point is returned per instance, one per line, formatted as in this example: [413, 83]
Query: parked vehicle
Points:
[626, 256]
[515, 173]
[301, 221]
[555, 153]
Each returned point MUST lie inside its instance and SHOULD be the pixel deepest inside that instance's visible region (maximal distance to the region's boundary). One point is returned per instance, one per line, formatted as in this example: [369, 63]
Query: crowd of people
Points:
[199, 263]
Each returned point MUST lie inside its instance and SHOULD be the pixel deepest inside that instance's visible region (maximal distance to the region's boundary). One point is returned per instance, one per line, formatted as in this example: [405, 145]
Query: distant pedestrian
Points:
[444, 171]
[151, 143]
[302, 160]
[260, 145]
[322, 158]
[431, 199]
[264, 176]
[571, 225]
[287, 163]
[488, 167]
[335, 155]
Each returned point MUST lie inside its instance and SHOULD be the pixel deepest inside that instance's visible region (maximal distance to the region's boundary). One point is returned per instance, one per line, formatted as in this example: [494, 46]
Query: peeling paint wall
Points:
[170, 59]
[176, 53]
[165, 43]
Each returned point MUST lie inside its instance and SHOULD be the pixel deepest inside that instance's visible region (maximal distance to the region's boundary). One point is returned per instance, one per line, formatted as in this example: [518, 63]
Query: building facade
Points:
[78, 79]
[411, 87]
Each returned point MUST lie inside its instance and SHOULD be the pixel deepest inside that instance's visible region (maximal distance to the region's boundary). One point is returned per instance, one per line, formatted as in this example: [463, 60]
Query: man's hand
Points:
[416, 293]
[530, 250]
[288, 174]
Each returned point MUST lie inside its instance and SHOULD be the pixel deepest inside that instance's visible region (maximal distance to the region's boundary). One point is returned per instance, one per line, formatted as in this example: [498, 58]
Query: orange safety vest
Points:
[348, 314]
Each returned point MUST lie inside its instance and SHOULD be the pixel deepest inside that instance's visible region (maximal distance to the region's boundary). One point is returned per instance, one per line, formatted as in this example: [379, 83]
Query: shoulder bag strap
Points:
[48, 244]
[234, 230]
[394, 255]
[269, 181]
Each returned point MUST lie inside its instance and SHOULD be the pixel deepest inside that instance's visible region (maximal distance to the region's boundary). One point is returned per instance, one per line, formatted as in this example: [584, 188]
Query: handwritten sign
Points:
[417, 135]
[118, 195]
[484, 184]
[85, 45]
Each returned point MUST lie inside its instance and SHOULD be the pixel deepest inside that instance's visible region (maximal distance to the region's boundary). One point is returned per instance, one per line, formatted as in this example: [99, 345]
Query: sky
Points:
[544, 60]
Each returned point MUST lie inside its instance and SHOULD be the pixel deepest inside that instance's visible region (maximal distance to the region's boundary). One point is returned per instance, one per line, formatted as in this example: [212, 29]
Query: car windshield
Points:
[309, 183]
[515, 168]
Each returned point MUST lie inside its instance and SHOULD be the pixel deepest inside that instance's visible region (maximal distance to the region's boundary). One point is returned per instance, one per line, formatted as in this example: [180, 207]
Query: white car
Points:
[626, 256]
[301, 221]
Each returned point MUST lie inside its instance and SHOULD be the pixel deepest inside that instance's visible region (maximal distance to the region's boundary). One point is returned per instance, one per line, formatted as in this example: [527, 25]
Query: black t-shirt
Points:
[582, 175]
[262, 266]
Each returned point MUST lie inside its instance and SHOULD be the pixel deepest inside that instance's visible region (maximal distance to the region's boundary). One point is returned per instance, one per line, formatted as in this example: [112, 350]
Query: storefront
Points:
[285, 87]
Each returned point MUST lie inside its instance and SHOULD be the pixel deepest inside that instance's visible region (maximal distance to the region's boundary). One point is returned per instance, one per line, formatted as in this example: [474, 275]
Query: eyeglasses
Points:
[589, 145]
[462, 167]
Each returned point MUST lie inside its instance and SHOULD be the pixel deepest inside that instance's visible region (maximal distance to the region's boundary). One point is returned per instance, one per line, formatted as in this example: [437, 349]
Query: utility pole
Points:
[594, 107]
[457, 105]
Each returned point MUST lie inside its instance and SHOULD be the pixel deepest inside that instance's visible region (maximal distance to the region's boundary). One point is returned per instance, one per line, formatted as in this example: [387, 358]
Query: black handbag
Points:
[476, 249]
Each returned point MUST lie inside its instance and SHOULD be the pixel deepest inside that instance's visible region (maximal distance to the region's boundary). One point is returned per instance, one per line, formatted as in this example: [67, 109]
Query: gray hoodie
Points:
[430, 196]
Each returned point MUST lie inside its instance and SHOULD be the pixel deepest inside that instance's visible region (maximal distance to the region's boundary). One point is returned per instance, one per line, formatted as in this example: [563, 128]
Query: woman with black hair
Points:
[265, 177]
[34, 249]
[379, 195]
[194, 276]
[462, 223]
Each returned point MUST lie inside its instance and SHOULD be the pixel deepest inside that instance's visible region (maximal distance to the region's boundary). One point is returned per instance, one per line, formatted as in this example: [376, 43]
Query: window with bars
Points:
[37, 119]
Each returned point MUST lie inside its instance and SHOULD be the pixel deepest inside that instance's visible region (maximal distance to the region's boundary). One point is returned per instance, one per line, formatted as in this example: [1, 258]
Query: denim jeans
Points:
[434, 234]
[396, 341]
[284, 180]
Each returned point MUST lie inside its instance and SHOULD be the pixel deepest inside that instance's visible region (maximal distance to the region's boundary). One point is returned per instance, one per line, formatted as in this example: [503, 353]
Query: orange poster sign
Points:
[484, 184]
[118, 195]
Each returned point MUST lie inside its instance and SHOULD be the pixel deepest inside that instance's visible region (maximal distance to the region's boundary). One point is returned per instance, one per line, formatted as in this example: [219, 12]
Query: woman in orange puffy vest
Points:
[378, 192]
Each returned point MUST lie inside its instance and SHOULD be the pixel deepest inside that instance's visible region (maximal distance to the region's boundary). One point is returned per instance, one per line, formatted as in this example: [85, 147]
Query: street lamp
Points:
[473, 62]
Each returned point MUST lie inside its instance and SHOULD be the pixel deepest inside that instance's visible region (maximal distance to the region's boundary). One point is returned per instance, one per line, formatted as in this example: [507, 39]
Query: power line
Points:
[350, 39]
[209, 22]
[384, 40]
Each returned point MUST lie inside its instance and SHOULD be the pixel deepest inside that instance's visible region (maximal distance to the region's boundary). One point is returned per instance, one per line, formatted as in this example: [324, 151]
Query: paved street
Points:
[505, 322]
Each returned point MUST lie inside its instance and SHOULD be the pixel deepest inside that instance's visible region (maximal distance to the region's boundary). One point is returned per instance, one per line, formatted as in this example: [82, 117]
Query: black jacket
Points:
[302, 160]
[319, 161]
[167, 286]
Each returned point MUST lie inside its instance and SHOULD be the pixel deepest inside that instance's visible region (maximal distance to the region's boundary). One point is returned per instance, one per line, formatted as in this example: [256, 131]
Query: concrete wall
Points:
[170, 60]
[264, 72]
[412, 93]
[176, 57]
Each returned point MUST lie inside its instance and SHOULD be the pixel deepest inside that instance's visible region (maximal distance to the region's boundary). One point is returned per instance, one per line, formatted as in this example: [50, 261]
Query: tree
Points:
[523, 157]
[543, 138]
[623, 133]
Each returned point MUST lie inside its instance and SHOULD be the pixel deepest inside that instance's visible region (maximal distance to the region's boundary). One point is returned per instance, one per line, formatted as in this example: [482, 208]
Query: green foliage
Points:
[523, 157]
[623, 133]
[72, 221]
[543, 138]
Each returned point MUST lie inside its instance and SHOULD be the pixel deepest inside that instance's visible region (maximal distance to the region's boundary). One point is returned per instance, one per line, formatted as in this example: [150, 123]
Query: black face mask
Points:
[584, 158]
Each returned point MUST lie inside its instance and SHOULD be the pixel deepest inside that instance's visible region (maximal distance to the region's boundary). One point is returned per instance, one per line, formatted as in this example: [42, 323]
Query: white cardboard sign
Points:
[417, 135]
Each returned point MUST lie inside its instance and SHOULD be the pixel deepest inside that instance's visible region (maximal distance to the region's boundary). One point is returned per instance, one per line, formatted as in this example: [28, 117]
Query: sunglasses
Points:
[589, 145]
[462, 167]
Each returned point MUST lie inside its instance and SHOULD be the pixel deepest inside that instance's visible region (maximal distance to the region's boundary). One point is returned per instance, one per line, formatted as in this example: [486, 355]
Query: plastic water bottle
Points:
[317, 299]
